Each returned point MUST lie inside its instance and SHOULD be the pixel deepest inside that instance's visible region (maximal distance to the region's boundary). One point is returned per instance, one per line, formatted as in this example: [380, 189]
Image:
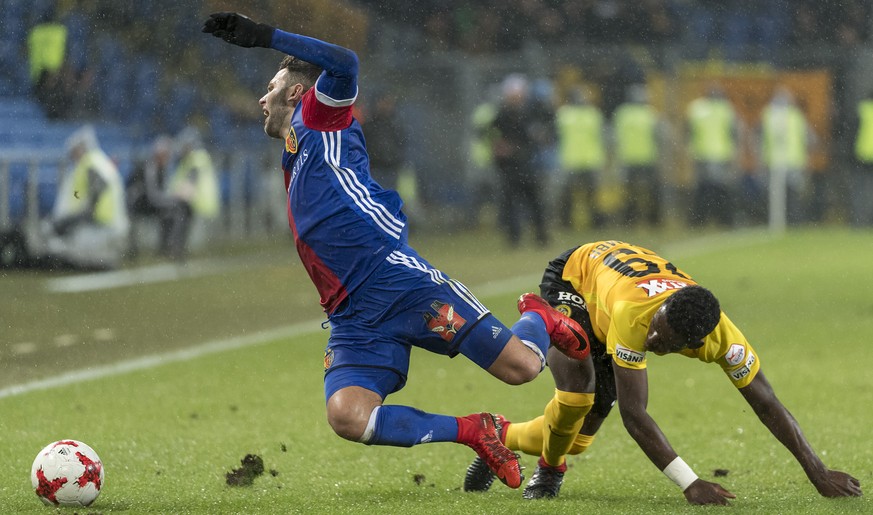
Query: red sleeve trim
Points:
[322, 117]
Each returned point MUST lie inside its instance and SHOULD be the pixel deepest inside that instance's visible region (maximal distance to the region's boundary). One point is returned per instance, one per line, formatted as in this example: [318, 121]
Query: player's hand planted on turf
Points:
[704, 492]
[239, 29]
[834, 483]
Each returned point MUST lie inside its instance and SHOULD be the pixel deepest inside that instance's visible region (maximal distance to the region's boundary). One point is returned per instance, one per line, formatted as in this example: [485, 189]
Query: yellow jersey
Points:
[623, 285]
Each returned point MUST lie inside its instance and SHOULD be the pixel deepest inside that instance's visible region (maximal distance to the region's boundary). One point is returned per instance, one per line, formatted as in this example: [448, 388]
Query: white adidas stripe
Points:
[353, 187]
[437, 277]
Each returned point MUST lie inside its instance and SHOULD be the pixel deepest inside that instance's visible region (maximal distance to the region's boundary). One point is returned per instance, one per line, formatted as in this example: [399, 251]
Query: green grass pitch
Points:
[167, 434]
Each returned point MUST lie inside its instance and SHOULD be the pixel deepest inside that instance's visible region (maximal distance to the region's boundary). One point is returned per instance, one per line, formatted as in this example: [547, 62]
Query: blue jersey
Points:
[344, 224]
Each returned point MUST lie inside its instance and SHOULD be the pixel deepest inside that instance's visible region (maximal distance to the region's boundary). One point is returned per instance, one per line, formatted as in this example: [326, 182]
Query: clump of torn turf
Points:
[252, 467]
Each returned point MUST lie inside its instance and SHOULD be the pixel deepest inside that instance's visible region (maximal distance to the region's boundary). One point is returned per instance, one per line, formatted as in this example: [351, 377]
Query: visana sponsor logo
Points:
[735, 354]
[657, 286]
[745, 369]
[629, 355]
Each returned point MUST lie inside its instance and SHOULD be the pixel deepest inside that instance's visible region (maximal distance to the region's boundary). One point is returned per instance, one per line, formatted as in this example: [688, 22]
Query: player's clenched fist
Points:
[239, 29]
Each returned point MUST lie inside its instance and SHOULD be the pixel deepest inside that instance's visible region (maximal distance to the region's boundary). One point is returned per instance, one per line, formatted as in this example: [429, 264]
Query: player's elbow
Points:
[348, 63]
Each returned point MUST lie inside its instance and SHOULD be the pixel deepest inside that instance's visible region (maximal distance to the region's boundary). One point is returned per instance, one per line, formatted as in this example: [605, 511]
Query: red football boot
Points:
[486, 442]
[565, 333]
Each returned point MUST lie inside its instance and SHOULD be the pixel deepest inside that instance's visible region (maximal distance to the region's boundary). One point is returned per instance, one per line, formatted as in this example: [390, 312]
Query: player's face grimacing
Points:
[662, 339]
[277, 106]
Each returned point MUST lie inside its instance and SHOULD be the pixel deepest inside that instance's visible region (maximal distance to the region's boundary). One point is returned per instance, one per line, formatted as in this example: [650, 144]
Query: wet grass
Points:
[169, 435]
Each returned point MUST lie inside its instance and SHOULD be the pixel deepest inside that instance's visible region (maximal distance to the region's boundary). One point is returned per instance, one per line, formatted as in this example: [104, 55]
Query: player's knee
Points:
[520, 371]
[346, 424]
[348, 415]
[517, 364]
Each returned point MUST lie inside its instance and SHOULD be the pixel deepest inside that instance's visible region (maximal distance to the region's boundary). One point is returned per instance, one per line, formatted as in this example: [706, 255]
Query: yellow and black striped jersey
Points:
[623, 285]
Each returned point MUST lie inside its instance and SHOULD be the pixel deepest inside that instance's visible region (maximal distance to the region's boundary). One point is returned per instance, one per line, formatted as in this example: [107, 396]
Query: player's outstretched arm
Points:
[829, 483]
[338, 83]
[633, 393]
[239, 30]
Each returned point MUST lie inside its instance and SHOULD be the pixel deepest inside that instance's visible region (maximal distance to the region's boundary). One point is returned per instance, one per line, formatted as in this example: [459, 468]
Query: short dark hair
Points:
[693, 312]
[300, 71]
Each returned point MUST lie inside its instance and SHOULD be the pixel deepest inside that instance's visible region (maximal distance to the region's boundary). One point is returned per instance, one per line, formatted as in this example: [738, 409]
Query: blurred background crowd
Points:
[590, 113]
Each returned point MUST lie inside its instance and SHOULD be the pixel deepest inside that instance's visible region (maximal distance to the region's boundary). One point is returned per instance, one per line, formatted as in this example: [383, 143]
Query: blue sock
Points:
[403, 426]
[532, 328]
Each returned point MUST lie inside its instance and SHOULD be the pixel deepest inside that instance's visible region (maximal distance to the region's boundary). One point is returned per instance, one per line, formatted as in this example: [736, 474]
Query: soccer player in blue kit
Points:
[380, 296]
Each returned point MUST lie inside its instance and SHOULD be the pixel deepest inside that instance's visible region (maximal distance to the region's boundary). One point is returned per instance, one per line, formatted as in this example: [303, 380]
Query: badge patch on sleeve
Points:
[735, 354]
[744, 370]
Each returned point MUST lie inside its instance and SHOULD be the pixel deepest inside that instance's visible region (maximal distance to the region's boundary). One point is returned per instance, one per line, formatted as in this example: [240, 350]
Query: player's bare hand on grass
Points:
[238, 29]
[704, 492]
[834, 483]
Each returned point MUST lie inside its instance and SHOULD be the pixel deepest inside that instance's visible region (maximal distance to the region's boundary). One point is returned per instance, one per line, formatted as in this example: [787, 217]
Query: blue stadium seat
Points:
[20, 108]
[15, 25]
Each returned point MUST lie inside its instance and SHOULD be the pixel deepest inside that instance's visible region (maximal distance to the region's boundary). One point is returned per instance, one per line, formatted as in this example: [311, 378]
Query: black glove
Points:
[239, 29]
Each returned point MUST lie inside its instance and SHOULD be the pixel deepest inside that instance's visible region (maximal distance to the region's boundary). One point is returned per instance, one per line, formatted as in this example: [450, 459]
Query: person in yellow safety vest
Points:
[53, 84]
[195, 185]
[46, 48]
[713, 135]
[481, 176]
[638, 131]
[785, 141]
[581, 156]
[862, 173]
[89, 225]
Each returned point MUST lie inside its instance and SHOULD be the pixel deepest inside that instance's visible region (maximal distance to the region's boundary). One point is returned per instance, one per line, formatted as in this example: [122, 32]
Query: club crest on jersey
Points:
[658, 286]
[445, 322]
[565, 310]
[291, 141]
[328, 358]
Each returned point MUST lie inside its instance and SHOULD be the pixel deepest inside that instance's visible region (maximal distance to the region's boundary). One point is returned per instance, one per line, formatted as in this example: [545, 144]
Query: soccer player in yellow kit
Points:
[638, 302]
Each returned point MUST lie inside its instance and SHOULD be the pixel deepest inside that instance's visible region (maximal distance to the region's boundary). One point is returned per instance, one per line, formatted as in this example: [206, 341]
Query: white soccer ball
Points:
[67, 473]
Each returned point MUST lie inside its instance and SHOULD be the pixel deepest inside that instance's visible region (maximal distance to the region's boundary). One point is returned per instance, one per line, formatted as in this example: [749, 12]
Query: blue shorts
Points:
[406, 303]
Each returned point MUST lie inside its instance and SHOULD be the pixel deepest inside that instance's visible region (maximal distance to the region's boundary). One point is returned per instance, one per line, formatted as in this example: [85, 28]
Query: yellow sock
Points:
[581, 444]
[564, 415]
[526, 437]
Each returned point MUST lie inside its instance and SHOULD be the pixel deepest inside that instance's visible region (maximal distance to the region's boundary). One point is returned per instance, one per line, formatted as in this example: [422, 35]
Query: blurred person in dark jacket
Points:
[147, 195]
[515, 145]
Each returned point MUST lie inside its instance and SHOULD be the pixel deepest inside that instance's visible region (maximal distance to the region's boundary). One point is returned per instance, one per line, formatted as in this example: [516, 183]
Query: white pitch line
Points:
[155, 360]
[494, 288]
[136, 276]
